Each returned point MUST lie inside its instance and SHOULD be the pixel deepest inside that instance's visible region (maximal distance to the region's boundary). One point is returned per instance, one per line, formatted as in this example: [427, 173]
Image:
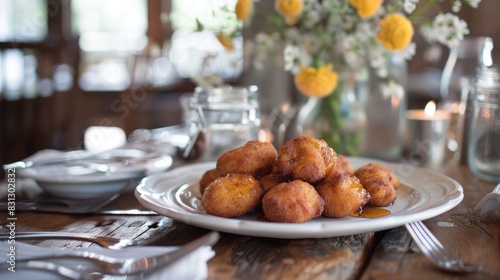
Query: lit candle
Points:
[427, 135]
[429, 113]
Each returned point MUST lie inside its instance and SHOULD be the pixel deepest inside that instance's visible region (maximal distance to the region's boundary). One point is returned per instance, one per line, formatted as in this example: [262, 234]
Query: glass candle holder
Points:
[427, 136]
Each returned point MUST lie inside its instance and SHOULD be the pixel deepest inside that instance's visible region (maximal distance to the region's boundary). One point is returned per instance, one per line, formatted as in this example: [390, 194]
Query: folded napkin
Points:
[191, 267]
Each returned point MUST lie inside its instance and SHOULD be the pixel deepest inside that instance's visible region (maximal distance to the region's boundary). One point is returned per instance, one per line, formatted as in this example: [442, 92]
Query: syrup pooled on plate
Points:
[371, 212]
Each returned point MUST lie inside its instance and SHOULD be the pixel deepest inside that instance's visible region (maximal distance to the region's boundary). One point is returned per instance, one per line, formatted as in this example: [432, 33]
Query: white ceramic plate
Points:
[424, 194]
[81, 181]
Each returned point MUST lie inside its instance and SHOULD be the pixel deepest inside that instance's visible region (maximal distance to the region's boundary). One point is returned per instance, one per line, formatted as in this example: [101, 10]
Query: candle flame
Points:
[430, 108]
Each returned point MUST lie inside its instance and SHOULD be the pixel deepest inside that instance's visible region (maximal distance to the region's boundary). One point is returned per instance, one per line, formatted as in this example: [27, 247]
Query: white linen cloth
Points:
[191, 267]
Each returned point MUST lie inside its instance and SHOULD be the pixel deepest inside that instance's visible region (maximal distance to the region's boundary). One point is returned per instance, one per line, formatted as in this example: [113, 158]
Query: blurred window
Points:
[114, 50]
[110, 33]
[18, 76]
[23, 20]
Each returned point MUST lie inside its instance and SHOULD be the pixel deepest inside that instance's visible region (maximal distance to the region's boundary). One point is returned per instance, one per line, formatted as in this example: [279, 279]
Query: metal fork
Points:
[103, 241]
[439, 255]
[435, 251]
[489, 202]
[107, 265]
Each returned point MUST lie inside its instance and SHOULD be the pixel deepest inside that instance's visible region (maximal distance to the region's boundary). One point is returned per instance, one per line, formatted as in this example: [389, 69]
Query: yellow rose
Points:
[366, 8]
[225, 41]
[316, 82]
[243, 9]
[396, 32]
[289, 7]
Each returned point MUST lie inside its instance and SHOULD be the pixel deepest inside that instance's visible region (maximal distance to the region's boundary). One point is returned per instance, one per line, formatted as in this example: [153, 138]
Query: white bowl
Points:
[81, 181]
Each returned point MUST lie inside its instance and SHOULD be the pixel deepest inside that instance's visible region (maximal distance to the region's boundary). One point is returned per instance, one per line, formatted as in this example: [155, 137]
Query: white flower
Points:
[377, 59]
[362, 74]
[366, 30]
[351, 58]
[309, 5]
[446, 29]
[457, 5]
[382, 72]
[409, 51]
[410, 5]
[310, 42]
[473, 3]
[305, 59]
[295, 58]
[392, 89]
[291, 55]
[328, 6]
[311, 18]
[263, 40]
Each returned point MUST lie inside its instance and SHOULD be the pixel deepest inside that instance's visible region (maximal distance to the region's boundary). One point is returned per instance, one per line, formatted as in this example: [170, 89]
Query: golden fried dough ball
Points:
[390, 175]
[343, 165]
[377, 183]
[254, 158]
[208, 177]
[270, 180]
[306, 158]
[343, 195]
[292, 202]
[232, 195]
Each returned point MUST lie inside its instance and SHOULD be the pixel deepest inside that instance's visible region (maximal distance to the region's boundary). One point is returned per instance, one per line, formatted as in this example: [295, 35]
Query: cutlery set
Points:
[100, 265]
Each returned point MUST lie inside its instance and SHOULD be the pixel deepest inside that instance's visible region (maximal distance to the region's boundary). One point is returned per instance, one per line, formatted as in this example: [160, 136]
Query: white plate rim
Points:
[441, 193]
[125, 174]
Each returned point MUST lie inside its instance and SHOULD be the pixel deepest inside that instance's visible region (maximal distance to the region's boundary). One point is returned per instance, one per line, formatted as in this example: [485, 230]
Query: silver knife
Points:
[32, 206]
[133, 212]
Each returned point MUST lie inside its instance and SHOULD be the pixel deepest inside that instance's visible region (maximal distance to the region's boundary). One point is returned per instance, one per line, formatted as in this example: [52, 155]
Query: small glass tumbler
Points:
[226, 118]
[484, 131]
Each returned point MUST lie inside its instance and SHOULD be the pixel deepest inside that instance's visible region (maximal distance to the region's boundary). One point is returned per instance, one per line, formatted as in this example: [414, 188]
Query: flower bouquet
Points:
[329, 46]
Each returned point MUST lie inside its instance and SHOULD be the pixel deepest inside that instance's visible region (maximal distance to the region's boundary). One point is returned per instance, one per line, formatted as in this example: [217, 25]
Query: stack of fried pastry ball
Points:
[305, 180]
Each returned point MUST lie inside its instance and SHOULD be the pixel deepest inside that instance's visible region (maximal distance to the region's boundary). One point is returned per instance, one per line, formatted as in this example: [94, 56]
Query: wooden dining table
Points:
[386, 254]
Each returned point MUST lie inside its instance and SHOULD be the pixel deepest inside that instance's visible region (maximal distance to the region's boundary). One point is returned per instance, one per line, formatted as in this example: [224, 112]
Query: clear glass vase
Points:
[385, 103]
[364, 116]
[339, 118]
